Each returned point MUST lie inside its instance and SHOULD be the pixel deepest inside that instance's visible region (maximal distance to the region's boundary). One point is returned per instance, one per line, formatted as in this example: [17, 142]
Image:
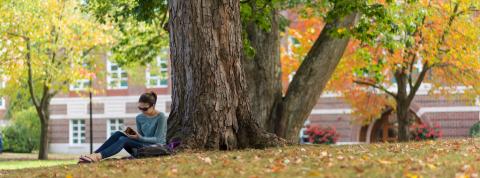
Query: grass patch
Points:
[10, 165]
[446, 158]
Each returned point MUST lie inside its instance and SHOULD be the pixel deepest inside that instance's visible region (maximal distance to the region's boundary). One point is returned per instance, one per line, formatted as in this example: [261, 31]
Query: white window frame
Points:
[2, 99]
[118, 127]
[148, 76]
[79, 135]
[82, 83]
[119, 74]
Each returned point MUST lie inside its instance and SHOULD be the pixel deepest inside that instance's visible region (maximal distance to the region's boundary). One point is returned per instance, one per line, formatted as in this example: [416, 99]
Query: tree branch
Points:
[414, 56]
[314, 72]
[377, 87]
[30, 75]
[419, 81]
[17, 35]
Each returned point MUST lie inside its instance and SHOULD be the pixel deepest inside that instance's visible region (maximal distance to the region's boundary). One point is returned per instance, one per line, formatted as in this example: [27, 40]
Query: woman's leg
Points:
[119, 145]
[110, 141]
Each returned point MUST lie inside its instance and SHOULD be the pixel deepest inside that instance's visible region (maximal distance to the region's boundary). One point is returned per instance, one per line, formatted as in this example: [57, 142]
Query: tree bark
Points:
[263, 72]
[403, 105]
[210, 103]
[310, 79]
[43, 150]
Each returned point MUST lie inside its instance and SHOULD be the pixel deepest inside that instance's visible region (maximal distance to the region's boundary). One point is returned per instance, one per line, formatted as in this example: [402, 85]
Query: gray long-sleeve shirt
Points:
[152, 129]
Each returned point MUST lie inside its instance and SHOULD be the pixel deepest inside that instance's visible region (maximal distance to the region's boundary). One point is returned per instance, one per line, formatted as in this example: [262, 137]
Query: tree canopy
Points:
[44, 47]
[430, 42]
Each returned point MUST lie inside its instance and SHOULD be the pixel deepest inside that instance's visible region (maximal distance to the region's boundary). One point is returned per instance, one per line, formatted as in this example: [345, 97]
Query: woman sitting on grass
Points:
[151, 126]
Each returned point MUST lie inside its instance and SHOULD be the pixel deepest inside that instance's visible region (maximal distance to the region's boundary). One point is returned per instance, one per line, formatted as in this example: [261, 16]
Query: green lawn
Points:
[447, 158]
[11, 161]
[10, 165]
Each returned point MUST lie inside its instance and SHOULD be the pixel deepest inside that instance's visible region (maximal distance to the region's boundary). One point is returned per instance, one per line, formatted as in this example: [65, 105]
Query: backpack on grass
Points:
[157, 150]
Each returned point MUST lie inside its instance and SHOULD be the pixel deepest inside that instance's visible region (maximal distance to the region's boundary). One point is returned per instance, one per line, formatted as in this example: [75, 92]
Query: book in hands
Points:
[129, 131]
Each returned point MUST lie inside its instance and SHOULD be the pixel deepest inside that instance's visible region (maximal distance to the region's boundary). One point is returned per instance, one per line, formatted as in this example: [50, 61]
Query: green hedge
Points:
[22, 135]
[475, 130]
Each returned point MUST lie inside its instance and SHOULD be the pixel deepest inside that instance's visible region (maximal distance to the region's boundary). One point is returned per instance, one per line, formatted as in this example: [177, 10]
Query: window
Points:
[157, 76]
[2, 100]
[117, 77]
[114, 125]
[82, 84]
[77, 131]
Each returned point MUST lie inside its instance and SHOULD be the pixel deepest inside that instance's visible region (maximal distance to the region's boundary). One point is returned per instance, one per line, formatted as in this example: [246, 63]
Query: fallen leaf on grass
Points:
[314, 173]
[412, 175]
[431, 166]
[384, 162]
[358, 169]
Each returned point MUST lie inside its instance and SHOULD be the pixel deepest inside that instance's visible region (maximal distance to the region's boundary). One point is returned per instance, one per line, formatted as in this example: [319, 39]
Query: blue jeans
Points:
[117, 142]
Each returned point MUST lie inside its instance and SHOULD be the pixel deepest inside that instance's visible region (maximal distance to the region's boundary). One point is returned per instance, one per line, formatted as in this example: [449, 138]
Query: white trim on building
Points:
[115, 107]
[420, 112]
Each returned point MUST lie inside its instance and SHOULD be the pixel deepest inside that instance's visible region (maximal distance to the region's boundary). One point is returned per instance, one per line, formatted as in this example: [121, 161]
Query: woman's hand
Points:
[135, 137]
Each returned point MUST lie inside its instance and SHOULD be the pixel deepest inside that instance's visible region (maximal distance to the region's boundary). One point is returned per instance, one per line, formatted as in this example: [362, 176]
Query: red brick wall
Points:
[454, 124]
[59, 130]
[331, 103]
[342, 122]
[100, 84]
[432, 101]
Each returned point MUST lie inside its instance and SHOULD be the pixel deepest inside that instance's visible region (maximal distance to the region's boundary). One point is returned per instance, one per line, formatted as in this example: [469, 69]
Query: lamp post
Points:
[90, 87]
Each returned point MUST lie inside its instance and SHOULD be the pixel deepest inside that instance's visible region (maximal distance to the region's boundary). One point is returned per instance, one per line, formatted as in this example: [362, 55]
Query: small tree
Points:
[43, 46]
[430, 41]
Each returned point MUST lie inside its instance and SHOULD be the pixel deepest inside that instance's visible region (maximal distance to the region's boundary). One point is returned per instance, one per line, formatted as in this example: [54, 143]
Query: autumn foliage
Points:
[432, 42]
[298, 39]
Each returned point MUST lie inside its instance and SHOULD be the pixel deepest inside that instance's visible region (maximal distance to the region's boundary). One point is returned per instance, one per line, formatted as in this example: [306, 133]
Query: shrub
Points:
[317, 135]
[475, 130]
[23, 134]
[425, 132]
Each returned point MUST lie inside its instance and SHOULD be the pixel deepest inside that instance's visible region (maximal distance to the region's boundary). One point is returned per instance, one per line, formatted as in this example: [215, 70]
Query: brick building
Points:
[455, 115]
[114, 106]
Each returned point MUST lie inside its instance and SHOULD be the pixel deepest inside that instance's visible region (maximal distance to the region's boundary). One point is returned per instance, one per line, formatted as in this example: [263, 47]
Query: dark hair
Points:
[150, 98]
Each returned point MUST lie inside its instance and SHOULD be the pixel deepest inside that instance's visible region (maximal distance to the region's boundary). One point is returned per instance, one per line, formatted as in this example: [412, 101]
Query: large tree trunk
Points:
[43, 151]
[210, 105]
[286, 115]
[44, 115]
[403, 121]
[310, 79]
[403, 106]
[263, 72]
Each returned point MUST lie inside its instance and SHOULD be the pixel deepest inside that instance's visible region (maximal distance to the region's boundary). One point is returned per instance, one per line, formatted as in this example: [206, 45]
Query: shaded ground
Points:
[447, 158]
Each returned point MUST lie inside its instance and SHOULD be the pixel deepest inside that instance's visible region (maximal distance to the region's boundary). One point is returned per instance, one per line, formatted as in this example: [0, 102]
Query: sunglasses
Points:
[144, 108]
